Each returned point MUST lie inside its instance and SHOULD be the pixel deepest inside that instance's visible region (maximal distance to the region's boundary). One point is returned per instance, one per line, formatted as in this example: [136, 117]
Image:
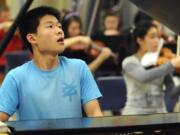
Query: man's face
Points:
[111, 23]
[49, 38]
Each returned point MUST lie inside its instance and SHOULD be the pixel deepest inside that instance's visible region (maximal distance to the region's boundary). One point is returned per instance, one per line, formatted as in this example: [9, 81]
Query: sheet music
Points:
[150, 58]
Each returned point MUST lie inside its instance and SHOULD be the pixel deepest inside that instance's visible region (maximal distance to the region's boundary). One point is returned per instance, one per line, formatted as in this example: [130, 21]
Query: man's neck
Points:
[46, 62]
[111, 32]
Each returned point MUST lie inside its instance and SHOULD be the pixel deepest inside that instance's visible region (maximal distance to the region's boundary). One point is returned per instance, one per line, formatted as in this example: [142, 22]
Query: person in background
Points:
[77, 44]
[5, 14]
[15, 43]
[145, 94]
[162, 30]
[111, 23]
[113, 37]
[49, 86]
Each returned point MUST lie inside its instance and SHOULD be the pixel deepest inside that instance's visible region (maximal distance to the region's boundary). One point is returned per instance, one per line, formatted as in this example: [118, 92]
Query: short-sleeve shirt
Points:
[39, 94]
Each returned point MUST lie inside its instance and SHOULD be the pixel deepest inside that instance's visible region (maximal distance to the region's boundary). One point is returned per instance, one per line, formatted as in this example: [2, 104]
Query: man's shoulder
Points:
[72, 61]
[20, 69]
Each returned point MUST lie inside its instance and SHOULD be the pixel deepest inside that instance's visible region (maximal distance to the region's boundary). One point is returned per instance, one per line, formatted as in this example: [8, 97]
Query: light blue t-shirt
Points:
[39, 94]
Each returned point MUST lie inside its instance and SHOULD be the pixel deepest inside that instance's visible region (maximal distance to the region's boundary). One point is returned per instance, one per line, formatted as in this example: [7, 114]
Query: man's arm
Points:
[4, 116]
[92, 109]
[85, 40]
[104, 55]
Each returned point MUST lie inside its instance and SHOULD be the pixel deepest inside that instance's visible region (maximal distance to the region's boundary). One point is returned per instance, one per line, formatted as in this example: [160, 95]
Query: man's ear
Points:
[31, 38]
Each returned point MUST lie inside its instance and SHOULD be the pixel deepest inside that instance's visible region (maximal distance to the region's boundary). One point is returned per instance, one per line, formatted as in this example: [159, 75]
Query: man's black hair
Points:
[31, 20]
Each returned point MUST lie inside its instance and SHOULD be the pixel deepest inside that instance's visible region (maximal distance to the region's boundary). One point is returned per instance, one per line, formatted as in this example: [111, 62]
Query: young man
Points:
[49, 86]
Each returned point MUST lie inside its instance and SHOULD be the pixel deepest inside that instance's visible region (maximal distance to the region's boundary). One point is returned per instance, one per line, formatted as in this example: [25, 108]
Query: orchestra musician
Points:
[77, 44]
[145, 86]
[15, 43]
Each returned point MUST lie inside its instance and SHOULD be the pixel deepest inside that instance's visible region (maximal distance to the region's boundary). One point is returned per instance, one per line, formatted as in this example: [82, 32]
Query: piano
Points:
[165, 11]
[144, 124]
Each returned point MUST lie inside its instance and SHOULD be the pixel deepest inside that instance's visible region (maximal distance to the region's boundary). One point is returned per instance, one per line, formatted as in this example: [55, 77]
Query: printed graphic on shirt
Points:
[69, 89]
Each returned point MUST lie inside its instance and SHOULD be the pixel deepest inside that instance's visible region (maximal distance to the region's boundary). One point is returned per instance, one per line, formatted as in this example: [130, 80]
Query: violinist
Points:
[163, 32]
[112, 37]
[145, 93]
[77, 44]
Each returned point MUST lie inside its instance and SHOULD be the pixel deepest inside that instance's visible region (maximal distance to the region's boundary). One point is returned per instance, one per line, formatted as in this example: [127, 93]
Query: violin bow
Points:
[93, 17]
[12, 29]
[178, 46]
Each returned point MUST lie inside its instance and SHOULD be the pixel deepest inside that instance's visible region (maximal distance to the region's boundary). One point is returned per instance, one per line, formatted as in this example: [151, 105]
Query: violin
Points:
[165, 56]
[96, 48]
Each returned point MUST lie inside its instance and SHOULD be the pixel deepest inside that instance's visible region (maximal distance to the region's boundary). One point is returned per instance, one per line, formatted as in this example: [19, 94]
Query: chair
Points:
[16, 58]
[113, 90]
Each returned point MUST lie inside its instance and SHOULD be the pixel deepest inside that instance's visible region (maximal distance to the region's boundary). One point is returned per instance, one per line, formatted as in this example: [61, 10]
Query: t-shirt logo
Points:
[69, 90]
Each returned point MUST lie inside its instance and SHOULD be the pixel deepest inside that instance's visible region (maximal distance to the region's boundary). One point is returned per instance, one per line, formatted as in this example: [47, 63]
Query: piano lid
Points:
[166, 11]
